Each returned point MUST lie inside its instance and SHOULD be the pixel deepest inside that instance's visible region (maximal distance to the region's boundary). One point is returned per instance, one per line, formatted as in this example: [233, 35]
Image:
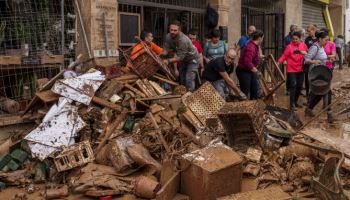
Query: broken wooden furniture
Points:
[328, 186]
[147, 63]
[243, 121]
[74, 156]
[205, 103]
[273, 79]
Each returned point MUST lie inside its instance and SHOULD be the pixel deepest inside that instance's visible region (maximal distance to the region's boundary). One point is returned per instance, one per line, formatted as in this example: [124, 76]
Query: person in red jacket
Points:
[294, 55]
[247, 72]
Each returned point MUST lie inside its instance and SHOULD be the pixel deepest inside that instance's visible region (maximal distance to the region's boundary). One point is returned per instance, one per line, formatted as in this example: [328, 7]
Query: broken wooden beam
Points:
[110, 129]
[138, 92]
[106, 103]
[156, 76]
[159, 98]
[182, 130]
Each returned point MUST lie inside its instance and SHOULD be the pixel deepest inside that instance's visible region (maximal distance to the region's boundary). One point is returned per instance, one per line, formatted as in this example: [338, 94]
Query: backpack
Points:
[211, 17]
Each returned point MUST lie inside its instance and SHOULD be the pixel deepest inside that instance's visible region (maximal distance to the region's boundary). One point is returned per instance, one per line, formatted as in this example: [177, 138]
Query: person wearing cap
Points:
[218, 71]
[294, 55]
[319, 77]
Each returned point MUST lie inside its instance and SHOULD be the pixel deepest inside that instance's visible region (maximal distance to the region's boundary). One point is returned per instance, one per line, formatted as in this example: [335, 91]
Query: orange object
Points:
[139, 50]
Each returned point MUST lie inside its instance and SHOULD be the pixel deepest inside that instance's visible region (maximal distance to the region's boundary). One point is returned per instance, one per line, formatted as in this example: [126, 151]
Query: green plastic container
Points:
[5, 160]
[129, 124]
[19, 155]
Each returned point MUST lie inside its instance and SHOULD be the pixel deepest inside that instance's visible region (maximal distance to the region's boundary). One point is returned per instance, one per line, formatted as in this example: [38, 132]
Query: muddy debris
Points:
[132, 137]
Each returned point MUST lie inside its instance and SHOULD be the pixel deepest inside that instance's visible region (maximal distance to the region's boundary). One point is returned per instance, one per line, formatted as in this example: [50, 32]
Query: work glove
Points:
[242, 96]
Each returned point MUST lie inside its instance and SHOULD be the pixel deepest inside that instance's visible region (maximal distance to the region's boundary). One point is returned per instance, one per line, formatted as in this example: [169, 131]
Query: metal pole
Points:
[62, 28]
[83, 29]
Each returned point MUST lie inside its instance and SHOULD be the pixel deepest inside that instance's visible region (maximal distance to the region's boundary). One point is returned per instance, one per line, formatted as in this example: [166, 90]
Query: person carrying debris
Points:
[320, 75]
[218, 73]
[138, 49]
[186, 55]
[294, 55]
[247, 72]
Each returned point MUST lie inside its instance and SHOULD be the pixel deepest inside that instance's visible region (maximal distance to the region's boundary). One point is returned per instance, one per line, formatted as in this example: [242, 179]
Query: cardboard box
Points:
[211, 172]
[275, 193]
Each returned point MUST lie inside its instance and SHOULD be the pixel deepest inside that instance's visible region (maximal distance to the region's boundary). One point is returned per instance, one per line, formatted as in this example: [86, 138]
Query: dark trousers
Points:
[248, 83]
[314, 99]
[295, 85]
[340, 55]
[306, 75]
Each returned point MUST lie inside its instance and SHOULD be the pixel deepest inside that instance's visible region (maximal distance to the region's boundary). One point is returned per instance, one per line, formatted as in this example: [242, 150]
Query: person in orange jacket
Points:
[294, 55]
[138, 49]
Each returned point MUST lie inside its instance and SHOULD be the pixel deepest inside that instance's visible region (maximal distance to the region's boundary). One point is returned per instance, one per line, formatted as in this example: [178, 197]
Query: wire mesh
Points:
[36, 38]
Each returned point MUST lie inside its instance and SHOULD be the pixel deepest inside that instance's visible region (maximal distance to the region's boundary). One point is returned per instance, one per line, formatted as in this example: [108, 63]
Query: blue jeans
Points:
[188, 75]
[221, 87]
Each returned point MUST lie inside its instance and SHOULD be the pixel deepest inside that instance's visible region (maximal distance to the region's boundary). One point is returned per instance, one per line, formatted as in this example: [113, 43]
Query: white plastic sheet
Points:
[81, 88]
[58, 128]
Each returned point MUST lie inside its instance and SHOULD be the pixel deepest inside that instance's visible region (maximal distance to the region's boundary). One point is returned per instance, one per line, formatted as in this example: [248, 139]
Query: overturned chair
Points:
[144, 62]
[328, 185]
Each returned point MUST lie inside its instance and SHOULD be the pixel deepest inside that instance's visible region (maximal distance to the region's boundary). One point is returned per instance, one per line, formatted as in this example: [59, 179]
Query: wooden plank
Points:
[45, 87]
[157, 88]
[138, 92]
[159, 98]
[6, 120]
[106, 103]
[47, 96]
[325, 138]
[276, 67]
[165, 80]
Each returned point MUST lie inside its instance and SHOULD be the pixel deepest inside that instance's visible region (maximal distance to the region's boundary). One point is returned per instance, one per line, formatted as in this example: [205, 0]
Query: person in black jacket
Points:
[218, 71]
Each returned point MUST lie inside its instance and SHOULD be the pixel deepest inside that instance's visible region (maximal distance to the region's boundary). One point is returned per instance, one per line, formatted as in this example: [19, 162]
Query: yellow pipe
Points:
[329, 24]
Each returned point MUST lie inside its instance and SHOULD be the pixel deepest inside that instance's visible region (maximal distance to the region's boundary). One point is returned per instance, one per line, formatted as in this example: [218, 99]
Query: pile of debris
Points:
[142, 135]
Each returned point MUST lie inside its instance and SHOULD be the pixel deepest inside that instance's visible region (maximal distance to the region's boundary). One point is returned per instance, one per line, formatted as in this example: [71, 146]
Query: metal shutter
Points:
[313, 14]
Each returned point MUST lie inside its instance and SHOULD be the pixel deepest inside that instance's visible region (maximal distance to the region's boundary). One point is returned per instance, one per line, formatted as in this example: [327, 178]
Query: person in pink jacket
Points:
[294, 55]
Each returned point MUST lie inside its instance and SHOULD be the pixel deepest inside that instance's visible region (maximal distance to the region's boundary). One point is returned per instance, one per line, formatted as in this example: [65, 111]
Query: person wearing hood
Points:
[294, 55]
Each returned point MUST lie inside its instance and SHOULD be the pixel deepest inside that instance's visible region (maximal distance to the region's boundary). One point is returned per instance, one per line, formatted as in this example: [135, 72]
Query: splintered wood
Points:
[243, 120]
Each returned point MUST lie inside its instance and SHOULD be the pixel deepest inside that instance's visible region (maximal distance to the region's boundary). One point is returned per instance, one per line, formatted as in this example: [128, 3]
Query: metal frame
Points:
[139, 26]
[270, 21]
[161, 5]
[160, 13]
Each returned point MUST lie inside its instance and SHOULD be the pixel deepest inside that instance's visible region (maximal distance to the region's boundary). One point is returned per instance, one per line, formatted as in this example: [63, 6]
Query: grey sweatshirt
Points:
[183, 48]
[316, 52]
